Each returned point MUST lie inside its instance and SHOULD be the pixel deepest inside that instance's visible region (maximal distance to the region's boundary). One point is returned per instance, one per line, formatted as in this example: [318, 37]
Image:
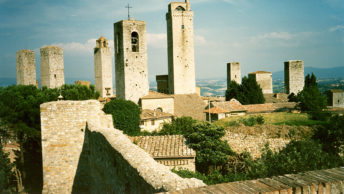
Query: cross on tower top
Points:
[128, 6]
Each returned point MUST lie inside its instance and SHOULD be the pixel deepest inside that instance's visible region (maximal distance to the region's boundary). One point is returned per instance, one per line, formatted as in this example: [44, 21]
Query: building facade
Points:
[103, 68]
[180, 47]
[131, 59]
[26, 67]
[52, 67]
[294, 76]
[336, 98]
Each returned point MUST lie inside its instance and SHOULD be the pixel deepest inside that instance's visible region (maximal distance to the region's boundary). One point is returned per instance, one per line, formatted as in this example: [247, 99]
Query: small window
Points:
[180, 8]
[117, 43]
[55, 76]
[183, 27]
[134, 42]
[153, 122]
[142, 122]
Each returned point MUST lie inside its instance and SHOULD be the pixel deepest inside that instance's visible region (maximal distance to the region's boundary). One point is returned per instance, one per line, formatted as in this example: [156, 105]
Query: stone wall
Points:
[293, 76]
[52, 67]
[131, 66]
[233, 73]
[180, 43]
[264, 80]
[103, 68]
[97, 158]
[26, 67]
[240, 142]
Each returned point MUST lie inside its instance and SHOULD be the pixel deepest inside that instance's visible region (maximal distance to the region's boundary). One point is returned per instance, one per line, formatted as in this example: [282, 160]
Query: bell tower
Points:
[180, 47]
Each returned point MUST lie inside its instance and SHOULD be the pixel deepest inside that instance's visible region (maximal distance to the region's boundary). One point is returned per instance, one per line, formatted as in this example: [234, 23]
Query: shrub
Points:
[297, 156]
[125, 114]
[260, 120]
[178, 126]
[6, 175]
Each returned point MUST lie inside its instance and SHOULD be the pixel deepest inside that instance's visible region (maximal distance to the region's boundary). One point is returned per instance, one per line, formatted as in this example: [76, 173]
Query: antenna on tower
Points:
[128, 6]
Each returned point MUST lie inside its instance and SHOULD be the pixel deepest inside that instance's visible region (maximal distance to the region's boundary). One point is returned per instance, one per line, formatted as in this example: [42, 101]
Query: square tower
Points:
[264, 80]
[293, 76]
[26, 67]
[180, 47]
[233, 73]
[103, 68]
[52, 67]
[131, 60]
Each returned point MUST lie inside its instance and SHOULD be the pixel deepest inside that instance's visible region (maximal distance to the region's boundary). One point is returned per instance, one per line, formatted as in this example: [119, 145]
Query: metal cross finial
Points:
[128, 6]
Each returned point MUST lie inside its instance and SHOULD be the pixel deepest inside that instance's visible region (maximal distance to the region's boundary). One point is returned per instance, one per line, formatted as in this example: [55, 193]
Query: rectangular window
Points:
[153, 122]
[182, 26]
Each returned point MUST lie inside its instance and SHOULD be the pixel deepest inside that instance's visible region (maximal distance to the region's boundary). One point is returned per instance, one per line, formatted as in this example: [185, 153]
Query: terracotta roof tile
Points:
[216, 110]
[154, 95]
[231, 106]
[168, 146]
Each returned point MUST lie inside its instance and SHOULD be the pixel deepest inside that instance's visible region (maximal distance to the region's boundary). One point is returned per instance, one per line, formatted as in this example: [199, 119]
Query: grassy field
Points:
[281, 118]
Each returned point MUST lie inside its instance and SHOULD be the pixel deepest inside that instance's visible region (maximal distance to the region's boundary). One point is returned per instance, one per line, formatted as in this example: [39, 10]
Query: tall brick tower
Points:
[26, 67]
[180, 42]
[103, 68]
[131, 60]
[52, 67]
[294, 76]
[233, 73]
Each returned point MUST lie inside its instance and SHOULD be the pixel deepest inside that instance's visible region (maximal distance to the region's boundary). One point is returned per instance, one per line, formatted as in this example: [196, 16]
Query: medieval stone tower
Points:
[103, 68]
[233, 73]
[26, 67]
[131, 60]
[180, 43]
[52, 67]
[293, 76]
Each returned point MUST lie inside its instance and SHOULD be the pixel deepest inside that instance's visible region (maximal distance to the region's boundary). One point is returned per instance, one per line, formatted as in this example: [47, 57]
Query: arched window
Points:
[134, 42]
[180, 8]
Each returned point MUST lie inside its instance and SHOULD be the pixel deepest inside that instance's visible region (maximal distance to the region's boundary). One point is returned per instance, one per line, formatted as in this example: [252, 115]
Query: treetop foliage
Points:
[249, 92]
[125, 114]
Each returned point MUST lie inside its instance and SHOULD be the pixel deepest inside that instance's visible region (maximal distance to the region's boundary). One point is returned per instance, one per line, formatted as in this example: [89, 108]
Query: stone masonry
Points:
[293, 76]
[26, 67]
[180, 43]
[233, 73]
[52, 67]
[83, 153]
[103, 68]
[131, 60]
[264, 80]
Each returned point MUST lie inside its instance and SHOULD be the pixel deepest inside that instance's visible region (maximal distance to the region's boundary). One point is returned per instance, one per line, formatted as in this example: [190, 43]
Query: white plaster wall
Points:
[158, 123]
[167, 104]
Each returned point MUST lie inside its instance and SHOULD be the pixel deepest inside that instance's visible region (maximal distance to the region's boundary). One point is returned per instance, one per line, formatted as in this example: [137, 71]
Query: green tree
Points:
[178, 126]
[297, 156]
[6, 175]
[125, 114]
[331, 135]
[211, 151]
[20, 113]
[249, 92]
[311, 99]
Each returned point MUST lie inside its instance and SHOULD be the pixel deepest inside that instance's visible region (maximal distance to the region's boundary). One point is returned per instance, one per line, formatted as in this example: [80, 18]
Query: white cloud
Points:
[337, 28]
[199, 40]
[79, 47]
[158, 40]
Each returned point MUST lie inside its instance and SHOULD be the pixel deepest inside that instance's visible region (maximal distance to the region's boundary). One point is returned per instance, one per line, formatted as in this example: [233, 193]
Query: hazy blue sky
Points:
[260, 34]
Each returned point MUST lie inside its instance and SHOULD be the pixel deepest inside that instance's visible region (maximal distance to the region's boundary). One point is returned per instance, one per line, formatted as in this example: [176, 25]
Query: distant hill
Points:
[333, 72]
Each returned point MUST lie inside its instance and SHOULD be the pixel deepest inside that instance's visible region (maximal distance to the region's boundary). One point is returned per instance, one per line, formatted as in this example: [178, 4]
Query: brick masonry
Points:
[97, 159]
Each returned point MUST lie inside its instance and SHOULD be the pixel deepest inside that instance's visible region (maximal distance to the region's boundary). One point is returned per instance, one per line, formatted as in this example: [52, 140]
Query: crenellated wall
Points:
[97, 158]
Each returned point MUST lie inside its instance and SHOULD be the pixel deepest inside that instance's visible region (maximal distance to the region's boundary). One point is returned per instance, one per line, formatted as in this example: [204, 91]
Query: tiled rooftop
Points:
[320, 181]
[155, 95]
[216, 110]
[231, 106]
[168, 146]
